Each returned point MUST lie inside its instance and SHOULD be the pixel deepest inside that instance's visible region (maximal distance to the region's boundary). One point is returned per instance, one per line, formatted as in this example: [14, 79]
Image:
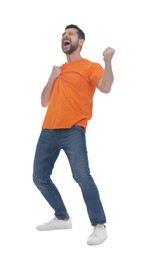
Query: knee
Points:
[82, 177]
[35, 179]
[79, 177]
[42, 182]
[38, 183]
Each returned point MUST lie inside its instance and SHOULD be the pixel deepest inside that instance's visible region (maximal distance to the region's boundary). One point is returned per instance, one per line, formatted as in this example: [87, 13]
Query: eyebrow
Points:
[63, 34]
[68, 33]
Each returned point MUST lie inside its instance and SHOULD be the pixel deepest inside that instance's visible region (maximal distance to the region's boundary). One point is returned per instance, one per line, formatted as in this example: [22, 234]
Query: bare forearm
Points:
[45, 95]
[106, 81]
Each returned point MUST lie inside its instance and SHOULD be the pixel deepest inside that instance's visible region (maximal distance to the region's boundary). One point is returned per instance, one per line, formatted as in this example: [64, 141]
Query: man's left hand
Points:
[108, 54]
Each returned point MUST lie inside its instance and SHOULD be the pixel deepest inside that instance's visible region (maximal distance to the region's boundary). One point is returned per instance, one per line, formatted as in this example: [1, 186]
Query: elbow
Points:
[108, 87]
[44, 104]
[105, 87]
[107, 90]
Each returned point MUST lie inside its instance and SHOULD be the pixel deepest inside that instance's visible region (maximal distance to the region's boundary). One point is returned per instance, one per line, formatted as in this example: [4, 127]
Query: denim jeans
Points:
[73, 142]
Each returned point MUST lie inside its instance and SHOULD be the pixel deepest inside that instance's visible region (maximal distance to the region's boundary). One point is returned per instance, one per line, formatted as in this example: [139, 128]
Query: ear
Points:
[81, 42]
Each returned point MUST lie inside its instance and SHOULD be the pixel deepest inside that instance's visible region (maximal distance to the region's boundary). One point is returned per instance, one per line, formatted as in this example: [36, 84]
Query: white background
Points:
[30, 35]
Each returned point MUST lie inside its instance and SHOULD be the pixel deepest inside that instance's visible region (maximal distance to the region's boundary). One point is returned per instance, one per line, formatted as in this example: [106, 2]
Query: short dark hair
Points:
[81, 34]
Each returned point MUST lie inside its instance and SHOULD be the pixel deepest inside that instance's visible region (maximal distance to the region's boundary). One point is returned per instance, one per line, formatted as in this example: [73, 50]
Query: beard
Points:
[69, 49]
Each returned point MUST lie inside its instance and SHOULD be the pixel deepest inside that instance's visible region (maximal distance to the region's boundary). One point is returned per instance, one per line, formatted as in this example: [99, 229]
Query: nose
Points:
[65, 36]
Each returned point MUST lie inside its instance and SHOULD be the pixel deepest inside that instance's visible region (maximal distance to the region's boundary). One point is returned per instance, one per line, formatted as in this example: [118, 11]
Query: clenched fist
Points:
[108, 54]
[56, 71]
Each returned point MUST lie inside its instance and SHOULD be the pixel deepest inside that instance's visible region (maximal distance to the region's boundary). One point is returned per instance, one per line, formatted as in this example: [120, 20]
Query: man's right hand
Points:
[56, 71]
[45, 96]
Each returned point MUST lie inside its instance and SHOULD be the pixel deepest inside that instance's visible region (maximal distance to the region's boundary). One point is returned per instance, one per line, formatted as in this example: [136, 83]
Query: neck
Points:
[73, 57]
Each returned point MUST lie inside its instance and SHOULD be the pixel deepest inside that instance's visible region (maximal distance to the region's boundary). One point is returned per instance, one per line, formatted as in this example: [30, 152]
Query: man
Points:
[69, 95]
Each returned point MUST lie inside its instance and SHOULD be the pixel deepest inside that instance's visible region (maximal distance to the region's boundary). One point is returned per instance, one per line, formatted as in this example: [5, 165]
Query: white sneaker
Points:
[54, 224]
[98, 236]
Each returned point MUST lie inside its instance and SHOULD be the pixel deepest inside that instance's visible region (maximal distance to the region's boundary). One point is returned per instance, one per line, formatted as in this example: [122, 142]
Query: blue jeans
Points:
[73, 142]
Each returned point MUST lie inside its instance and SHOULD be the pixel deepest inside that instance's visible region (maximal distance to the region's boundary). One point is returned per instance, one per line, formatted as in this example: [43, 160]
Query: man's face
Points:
[70, 41]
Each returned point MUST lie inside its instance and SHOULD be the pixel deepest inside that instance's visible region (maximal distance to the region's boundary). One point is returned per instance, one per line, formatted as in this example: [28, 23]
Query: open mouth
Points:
[66, 43]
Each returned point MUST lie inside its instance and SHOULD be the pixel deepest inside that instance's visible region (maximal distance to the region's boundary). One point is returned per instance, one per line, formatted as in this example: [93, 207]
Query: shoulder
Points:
[93, 64]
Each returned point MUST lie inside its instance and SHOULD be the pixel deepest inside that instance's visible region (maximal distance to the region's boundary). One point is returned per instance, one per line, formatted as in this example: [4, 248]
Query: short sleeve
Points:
[96, 73]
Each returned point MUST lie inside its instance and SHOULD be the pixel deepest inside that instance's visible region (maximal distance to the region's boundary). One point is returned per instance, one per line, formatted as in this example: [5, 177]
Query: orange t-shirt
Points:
[72, 95]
